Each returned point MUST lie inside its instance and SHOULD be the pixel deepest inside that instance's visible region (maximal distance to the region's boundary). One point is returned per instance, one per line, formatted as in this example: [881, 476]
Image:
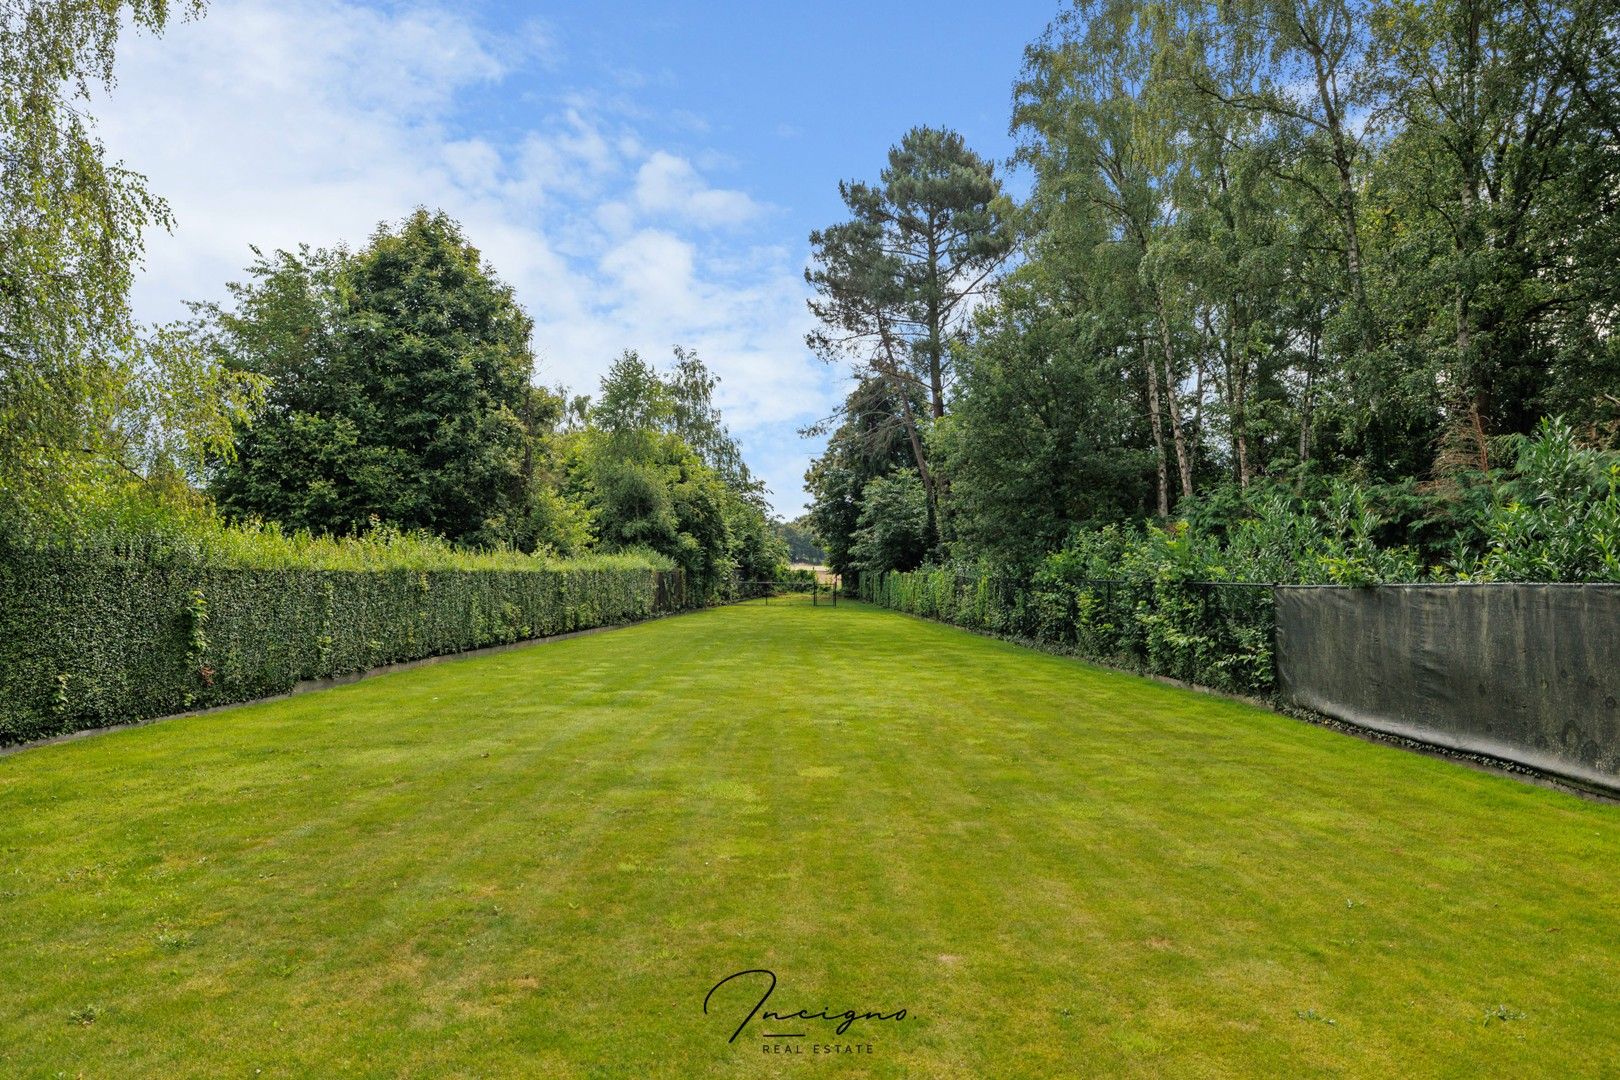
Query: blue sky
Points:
[642, 174]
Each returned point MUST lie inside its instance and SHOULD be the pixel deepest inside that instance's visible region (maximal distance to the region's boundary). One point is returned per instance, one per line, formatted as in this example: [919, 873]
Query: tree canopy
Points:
[894, 282]
[90, 401]
[399, 388]
[1270, 247]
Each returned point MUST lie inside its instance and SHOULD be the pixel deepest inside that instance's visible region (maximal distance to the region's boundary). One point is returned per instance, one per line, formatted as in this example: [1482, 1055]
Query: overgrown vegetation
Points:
[400, 393]
[398, 389]
[1171, 599]
[1281, 261]
[88, 395]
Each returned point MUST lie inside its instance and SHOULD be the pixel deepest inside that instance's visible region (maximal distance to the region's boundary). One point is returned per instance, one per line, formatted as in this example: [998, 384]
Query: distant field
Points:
[538, 863]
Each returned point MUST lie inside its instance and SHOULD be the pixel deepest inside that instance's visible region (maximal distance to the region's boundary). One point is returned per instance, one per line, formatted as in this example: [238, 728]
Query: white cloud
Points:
[275, 122]
[473, 163]
[653, 271]
[669, 185]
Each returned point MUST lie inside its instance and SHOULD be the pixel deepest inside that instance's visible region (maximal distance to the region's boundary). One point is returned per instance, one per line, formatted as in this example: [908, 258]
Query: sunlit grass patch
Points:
[539, 862]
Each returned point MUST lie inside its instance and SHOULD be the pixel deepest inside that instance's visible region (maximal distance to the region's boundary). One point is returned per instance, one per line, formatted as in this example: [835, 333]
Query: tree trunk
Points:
[1470, 379]
[1158, 427]
[1183, 462]
[922, 463]
[1234, 388]
[936, 333]
[1238, 376]
[1236, 347]
[1198, 394]
[1306, 401]
[1183, 459]
[1327, 94]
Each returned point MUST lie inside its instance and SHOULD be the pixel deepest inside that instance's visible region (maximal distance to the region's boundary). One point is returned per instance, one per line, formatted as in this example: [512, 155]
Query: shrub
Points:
[104, 631]
[1170, 600]
[1186, 600]
[1558, 518]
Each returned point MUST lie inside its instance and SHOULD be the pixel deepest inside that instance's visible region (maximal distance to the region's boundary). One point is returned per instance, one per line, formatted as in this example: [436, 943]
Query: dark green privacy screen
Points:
[89, 642]
[1529, 673]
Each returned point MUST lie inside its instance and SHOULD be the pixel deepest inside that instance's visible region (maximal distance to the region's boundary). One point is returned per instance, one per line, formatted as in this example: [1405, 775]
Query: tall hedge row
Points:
[1213, 634]
[91, 641]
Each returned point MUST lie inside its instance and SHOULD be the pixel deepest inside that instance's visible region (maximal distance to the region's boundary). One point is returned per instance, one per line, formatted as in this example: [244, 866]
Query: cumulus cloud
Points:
[669, 185]
[276, 122]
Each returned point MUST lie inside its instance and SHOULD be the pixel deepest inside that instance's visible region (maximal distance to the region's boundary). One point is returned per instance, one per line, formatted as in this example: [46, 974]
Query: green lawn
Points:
[537, 863]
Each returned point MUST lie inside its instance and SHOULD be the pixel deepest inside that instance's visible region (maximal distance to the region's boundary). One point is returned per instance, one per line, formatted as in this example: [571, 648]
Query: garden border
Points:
[1480, 762]
[329, 682]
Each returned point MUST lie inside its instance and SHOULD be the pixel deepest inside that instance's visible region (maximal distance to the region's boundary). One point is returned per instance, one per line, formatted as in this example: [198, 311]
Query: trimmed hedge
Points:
[92, 640]
[1212, 634]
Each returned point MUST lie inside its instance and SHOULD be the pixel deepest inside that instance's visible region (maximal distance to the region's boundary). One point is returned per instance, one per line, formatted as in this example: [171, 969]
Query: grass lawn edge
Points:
[1488, 763]
[327, 682]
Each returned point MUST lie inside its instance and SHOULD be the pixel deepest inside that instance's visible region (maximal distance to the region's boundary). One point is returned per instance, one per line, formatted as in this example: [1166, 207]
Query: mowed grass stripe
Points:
[537, 862]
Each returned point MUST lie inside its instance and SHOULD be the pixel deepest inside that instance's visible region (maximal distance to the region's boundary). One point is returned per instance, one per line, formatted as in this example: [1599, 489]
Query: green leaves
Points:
[82, 396]
[98, 638]
[659, 471]
[892, 530]
[398, 387]
[1558, 517]
[1303, 271]
[870, 442]
[895, 283]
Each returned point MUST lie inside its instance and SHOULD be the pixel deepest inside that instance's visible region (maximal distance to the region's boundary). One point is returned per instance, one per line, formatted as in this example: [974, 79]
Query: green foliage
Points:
[93, 635]
[88, 398]
[756, 550]
[1146, 619]
[199, 537]
[658, 471]
[798, 575]
[1558, 518]
[895, 282]
[399, 389]
[1043, 436]
[70, 235]
[870, 442]
[891, 532]
[633, 399]
[695, 419]
[122, 616]
[1178, 600]
[553, 521]
[799, 536]
[648, 491]
[1346, 255]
